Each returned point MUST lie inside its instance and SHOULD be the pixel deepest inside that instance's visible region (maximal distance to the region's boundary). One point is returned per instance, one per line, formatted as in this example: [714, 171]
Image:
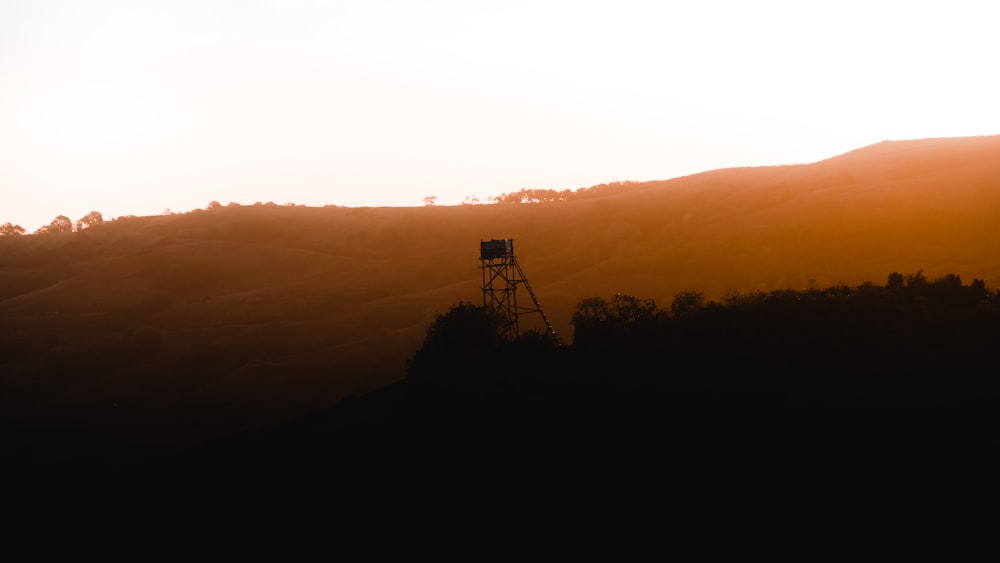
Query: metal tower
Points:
[501, 277]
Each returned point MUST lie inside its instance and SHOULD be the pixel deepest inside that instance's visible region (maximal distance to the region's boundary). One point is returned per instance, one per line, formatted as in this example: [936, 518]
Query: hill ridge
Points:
[135, 349]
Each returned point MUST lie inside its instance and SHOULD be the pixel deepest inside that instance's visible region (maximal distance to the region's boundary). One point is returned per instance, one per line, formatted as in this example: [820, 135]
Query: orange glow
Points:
[169, 106]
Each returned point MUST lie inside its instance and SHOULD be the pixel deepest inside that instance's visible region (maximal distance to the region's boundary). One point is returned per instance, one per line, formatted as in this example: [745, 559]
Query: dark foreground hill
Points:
[144, 335]
[845, 382]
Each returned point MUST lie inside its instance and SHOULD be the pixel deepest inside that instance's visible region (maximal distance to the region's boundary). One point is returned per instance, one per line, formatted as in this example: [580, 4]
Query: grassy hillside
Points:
[148, 333]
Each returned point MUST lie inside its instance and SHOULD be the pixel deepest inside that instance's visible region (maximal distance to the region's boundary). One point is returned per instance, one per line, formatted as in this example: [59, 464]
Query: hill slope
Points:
[146, 334]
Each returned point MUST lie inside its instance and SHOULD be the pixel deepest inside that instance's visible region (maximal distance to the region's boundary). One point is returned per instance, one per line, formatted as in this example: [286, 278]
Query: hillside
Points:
[146, 334]
[785, 385]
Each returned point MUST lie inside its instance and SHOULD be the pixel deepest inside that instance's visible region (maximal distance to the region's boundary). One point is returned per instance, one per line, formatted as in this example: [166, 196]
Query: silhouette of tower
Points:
[501, 277]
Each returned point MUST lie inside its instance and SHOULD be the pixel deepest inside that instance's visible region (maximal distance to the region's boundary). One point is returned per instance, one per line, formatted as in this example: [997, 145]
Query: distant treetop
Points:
[548, 195]
[8, 229]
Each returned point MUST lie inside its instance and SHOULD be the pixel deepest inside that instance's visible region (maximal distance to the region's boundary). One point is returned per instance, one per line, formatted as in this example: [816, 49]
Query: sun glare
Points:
[92, 119]
[384, 104]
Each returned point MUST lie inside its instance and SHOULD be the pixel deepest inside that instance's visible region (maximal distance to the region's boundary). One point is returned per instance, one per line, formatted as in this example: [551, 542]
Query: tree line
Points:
[61, 224]
[744, 392]
[527, 195]
[599, 321]
[909, 363]
[543, 195]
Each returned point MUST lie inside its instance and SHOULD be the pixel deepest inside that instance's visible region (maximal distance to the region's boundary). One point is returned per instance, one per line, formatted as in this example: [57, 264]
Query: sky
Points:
[137, 107]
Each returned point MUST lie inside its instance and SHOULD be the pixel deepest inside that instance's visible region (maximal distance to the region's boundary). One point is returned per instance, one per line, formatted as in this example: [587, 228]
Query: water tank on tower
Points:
[502, 276]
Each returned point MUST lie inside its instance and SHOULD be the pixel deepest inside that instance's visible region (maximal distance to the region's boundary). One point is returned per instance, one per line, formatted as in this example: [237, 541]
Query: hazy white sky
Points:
[137, 106]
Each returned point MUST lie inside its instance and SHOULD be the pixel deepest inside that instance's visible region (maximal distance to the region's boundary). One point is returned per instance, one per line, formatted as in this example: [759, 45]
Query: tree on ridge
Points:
[89, 220]
[61, 224]
[8, 229]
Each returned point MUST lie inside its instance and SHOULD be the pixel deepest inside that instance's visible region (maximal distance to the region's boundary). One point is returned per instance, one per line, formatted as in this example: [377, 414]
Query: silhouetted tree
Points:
[979, 291]
[89, 220]
[597, 319]
[628, 309]
[590, 311]
[736, 298]
[513, 197]
[458, 343]
[526, 195]
[61, 224]
[895, 282]
[916, 281]
[8, 229]
[948, 290]
[687, 302]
